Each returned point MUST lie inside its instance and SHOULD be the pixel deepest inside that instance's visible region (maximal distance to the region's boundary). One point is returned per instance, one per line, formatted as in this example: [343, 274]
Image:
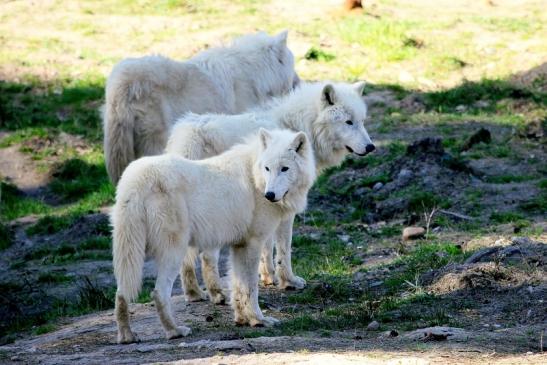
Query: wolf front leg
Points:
[244, 295]
[283, 240]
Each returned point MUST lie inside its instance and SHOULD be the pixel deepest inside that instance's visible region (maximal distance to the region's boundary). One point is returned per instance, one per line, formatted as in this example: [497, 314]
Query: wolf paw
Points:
[178, 332]
[267, 280]
[195, 296]
[217, 298]
[125, 337]
[296, 282]
[264, 322]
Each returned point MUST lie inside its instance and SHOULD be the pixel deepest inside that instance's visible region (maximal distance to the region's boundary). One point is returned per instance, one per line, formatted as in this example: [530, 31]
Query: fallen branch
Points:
[457, 215]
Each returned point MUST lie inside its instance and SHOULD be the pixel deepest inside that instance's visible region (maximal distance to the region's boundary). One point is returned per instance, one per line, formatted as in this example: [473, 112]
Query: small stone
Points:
[482, 104]
[461, 108]
[404, 173]
[393, 333]
[411, 233]
[209, 319]
[373, 326]
[344, 237]
[375, 284]
[314, 235]
[377, 186]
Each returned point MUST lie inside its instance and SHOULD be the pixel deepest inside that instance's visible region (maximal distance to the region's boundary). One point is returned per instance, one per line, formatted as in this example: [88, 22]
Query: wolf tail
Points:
[129, 245]
[118, 123]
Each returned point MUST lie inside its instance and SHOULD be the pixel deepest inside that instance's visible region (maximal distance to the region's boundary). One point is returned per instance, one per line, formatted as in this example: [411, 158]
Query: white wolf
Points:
[145, 95]
[164, 204]
[332, 116]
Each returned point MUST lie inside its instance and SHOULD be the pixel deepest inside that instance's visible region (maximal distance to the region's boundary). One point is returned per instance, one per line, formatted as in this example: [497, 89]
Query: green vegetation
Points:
[316, 54]
[423, 258]
[14, 204]
[97, 249]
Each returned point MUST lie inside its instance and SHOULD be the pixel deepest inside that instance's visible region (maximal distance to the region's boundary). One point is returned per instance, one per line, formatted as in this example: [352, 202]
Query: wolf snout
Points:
[370, 147]
[270, 195]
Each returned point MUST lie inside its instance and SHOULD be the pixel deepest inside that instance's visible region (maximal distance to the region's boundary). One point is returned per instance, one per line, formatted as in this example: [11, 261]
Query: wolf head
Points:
[340, 124]
[270, 53]
[286, 165]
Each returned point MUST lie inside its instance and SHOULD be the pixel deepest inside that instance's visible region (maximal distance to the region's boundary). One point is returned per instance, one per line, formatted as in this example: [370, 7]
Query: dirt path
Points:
[91, 339]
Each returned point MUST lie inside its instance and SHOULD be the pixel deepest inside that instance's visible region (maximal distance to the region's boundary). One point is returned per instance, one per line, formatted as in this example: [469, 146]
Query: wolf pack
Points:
[219, 150]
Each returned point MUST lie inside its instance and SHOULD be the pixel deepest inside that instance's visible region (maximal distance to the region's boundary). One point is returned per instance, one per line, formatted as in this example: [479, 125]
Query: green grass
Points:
[506, 217]
[422, 258]
[51, 224]
[31, 105]
[53, 278]
[508, 178]
[317, 54]
[45, 328]
[470, 92]
[14, 204]
[6, 236]
[420, 200]
[76, 178]
[94, 249]
[387, 39]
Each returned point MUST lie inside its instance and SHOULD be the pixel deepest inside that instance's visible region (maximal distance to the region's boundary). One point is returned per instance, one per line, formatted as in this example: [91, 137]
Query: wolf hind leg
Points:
[168, 266]
[188, 278]
[211, 277]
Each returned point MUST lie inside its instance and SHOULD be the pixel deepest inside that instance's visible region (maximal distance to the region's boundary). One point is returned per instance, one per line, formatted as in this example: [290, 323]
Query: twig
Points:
[457, 215]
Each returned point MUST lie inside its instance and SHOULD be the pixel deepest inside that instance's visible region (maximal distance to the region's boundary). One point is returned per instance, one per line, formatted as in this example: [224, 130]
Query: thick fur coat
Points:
[166, 204]
[144, 96]
[331, 114]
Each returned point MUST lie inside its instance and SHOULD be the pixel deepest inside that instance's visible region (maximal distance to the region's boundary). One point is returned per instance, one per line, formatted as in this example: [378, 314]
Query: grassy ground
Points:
[472, 65]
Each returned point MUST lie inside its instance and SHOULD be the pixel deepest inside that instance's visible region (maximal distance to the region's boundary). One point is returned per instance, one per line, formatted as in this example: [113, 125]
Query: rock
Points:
[377, 186]
[404, 174]
[154, 347]
[314, 235]
[438, 333]
[373, 326]
[536, 129]
[461, 108]
[344, 237]
[215, 345]
[481, 104]
[412, 233]
[482, 135]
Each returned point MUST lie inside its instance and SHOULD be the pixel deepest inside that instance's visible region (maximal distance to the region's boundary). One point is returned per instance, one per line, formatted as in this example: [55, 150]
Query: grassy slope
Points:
[56, 56]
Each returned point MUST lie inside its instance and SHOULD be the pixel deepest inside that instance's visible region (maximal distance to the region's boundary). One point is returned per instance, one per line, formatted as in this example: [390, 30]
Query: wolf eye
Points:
[284, 168]
[267, 168]
[349, 122]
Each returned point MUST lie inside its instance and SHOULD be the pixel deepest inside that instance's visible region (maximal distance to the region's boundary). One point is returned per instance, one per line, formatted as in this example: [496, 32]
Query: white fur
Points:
[165, 204]
[321, 110]
[145, 95]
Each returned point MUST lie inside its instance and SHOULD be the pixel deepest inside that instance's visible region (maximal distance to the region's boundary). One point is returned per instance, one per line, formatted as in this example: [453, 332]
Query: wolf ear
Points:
[265, 137]
[281, 38]
[359, 87]
[299, 144]
[328, 96]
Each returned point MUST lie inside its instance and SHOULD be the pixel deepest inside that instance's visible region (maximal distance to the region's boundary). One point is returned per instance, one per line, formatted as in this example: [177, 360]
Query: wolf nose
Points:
[369, 148]
[270, 195]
